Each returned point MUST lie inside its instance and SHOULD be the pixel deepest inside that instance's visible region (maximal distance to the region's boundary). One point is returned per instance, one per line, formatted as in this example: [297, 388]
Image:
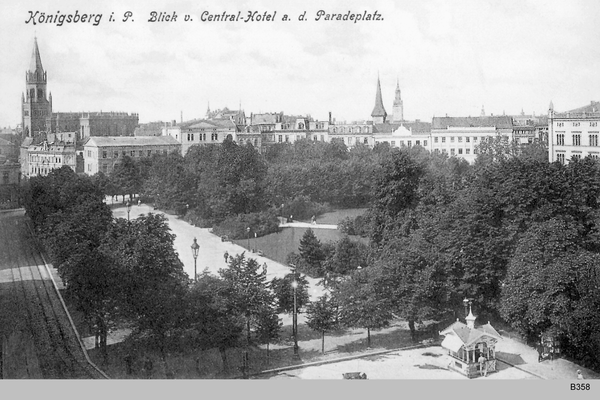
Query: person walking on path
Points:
[579, 375]
[226, 256]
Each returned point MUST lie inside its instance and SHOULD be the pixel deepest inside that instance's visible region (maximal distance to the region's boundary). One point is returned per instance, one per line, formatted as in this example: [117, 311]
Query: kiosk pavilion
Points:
[466, 344]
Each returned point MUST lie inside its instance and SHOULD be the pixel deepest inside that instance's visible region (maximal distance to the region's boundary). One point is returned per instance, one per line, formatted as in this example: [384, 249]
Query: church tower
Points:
[35, 106]
[398, 110]
[379, 115]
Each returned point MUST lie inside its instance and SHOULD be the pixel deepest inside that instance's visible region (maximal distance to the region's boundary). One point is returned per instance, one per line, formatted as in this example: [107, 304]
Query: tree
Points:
[311, 251]
[268, 327]
[411, 273]
[154, 284]
[126, 176]
[347, 256]
[360, 303]
[210, 314]
[248, 294]
[284, 292]
[321, 317]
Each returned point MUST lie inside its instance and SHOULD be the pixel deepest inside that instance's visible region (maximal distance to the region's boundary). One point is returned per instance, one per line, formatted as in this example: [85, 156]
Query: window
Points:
[214, 136]
[593, 123]
[280, 138]
[475, 138]
[460, 151]
[475, 151]
[149, 153]
[435, 139]
[444, 151]
[425, 143]
[467, 151]
[394, 143]
[560, 139]
[366, 141]
[467, 139]
[576, 140]
[575, 123]
[560, 157]
[132, 153]
[417, 142]
[593, 140]
[410, 143]
[115, 154]
[577, 156]
[452, 152]
[89, 153]
[287, 138]
[460, 139]
[443, 139]
[451, 139]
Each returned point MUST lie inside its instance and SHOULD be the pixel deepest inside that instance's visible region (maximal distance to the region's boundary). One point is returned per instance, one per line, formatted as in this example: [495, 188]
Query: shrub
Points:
[302, 208]
[355, 226]
[260, 223]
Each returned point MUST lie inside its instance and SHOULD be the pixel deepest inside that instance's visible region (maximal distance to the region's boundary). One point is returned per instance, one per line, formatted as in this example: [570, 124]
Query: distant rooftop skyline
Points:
[448, 58]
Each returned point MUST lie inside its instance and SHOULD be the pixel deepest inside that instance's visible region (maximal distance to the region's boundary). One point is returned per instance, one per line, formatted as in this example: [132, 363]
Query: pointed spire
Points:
[470, 319]
[36, 60]
[551, 106]
[378, 110]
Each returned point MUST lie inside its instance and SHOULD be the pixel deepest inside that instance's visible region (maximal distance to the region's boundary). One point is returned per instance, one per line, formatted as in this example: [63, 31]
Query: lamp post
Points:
[128, 209]
[248, 238]
[295, 314]
[195, 248]
[282, 220]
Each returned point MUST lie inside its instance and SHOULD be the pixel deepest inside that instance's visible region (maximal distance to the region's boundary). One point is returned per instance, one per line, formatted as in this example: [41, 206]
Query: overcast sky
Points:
[450, 57]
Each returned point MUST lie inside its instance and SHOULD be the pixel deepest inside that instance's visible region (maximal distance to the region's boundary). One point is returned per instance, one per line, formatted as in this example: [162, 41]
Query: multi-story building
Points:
[102, 153]
[460, 136]
[45, 157]
[574, 134]
[10, 178]
[201, 131]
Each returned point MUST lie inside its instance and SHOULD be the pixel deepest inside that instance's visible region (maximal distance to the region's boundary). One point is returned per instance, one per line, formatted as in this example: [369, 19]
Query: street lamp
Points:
[248, 238]
[282, 220]
[128, 209]
[295, 315]
[195, 248]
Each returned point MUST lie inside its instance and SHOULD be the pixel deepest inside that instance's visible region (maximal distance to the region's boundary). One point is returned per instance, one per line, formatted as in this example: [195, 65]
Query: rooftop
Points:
[108, 141]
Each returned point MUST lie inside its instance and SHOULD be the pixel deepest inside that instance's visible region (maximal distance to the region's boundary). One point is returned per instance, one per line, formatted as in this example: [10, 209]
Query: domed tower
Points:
[35, 106]
[379, 115]
[398, 110]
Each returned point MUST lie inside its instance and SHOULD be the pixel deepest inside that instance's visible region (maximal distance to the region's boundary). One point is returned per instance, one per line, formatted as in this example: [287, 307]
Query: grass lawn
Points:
[277, 246]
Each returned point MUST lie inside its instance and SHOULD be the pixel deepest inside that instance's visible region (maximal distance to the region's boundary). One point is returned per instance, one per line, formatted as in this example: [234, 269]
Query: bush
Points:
[260, 223]
[355, 226]
[193, 217]
[302, 208]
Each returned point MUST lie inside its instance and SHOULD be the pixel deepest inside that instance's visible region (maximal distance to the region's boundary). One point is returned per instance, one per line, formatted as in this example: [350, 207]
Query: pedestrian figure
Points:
[313, 220]
[139, 202]
[226, 256]
[481, 361]
[128, 364]
[540, 350]
[148, 367]
[579, 375]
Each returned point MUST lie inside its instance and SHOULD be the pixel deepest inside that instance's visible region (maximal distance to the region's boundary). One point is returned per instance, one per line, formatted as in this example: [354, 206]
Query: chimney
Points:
[329, 117]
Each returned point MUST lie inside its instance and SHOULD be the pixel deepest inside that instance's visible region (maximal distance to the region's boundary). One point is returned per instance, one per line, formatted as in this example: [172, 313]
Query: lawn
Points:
[277, 246]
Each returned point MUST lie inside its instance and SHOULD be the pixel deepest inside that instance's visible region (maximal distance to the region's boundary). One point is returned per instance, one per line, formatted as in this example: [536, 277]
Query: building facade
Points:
[574, 133]
[45, 157]
[102, 153]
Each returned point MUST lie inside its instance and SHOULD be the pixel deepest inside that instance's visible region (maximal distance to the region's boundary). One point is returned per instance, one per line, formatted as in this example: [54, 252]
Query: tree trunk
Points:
[223, 352]
[323, 343]
[368, 338]
[411, 326]
[267, 353]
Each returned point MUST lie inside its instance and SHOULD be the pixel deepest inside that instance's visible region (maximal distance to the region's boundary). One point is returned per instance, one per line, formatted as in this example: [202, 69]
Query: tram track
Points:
[57, 345]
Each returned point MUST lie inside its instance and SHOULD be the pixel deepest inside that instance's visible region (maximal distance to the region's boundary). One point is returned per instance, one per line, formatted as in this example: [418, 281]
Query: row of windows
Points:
[350, 129]
[454, 152]
[202, 137]
[592, 139]
[576, 124]
[132, 153]
[459, 139]
[36, 158]
[560, 157]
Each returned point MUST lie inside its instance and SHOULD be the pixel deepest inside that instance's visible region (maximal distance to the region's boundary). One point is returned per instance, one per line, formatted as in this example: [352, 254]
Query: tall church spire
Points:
[398, 109]
[379, 115]
[36, 61]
